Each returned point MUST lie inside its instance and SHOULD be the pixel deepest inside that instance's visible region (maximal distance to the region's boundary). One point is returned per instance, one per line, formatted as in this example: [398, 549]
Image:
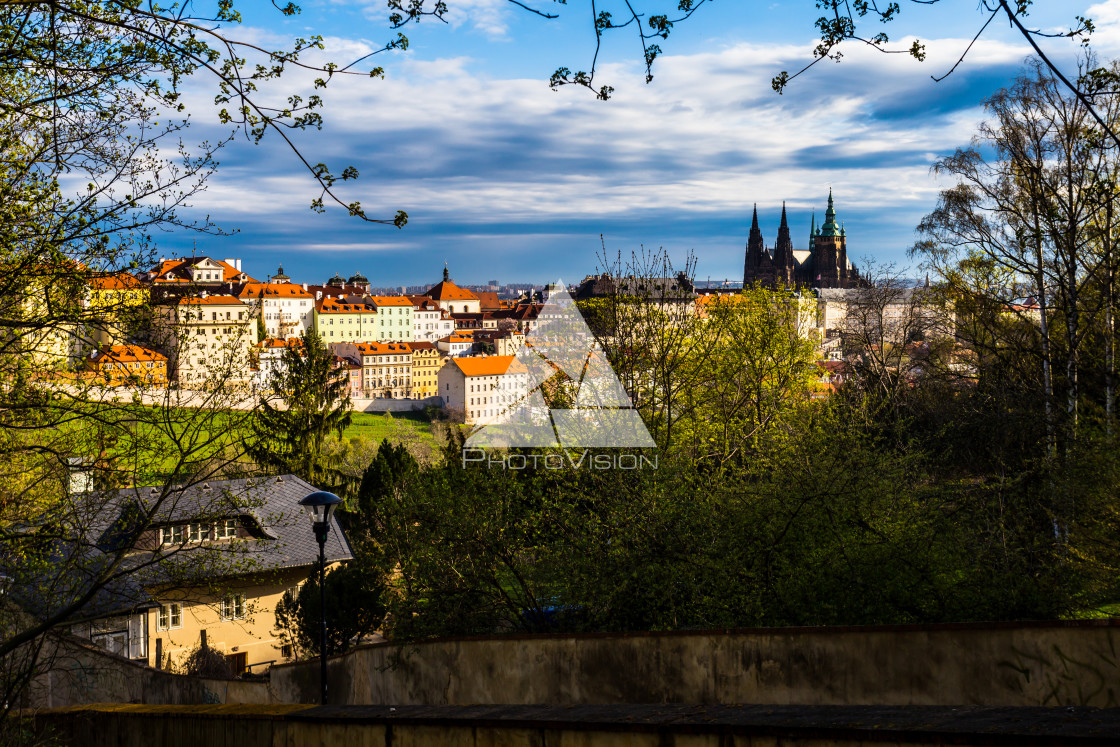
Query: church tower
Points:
[830, 256]
[783, 253]
[757, 266]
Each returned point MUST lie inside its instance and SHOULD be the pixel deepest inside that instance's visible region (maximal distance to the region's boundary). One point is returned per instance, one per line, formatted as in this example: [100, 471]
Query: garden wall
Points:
[1006, 664]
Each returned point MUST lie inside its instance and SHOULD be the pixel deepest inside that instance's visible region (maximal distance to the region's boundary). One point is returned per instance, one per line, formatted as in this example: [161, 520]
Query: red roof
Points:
[128, 354]
[490, 365]
[278, 290]
[382, 348]
[446, 290]
[120, 281]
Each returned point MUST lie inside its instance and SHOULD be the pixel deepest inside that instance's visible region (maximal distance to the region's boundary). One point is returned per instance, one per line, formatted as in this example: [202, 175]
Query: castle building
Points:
[824, 265]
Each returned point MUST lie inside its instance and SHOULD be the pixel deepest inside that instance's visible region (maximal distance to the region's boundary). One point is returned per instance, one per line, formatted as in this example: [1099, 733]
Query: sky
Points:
[504, 179]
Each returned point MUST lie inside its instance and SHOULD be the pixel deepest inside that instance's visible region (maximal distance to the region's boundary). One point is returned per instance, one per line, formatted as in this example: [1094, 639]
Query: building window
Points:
[197, 532]
[227, 529]
[233, 607]
[170, 616]
[171, 535]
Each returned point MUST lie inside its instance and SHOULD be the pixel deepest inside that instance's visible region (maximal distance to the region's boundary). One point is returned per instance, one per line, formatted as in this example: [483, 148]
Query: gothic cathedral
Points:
[824, 265]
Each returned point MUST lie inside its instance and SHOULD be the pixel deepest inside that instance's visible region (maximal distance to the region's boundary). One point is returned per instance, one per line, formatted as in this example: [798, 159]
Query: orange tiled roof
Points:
[490, 365]
[120, 281]
[330, 305]
[229, 272]
[280, 290]
[382, 348]
[391, 301]
[457, 338]
[445, 290]
[128, 354]
[489, 300]
[421, 345]
[276, 342]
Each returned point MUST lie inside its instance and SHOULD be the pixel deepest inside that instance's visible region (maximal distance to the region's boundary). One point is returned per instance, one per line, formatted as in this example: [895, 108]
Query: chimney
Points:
[305, 286]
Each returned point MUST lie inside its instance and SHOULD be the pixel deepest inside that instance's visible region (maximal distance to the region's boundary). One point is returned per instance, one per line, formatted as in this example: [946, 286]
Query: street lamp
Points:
[320, 506]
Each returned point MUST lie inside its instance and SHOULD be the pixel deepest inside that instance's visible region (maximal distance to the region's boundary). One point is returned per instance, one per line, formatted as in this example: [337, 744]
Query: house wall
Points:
[254, 634]
[452, 388]
[207, 341]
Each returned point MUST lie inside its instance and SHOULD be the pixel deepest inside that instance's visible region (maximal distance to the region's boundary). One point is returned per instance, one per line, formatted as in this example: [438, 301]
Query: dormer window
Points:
[197, 532]
[171, 535]
[227, 529]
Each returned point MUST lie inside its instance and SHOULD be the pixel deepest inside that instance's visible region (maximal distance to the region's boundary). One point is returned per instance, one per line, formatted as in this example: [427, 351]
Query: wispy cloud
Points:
[495, 172]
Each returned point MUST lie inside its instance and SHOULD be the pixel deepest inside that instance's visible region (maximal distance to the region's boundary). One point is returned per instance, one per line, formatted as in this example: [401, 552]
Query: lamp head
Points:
[320, 506]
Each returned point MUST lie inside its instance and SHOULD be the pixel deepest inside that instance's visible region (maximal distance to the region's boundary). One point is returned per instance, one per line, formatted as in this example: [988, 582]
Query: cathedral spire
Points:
[829, 227]
[784, 224]
[813, 227]
[755, 251]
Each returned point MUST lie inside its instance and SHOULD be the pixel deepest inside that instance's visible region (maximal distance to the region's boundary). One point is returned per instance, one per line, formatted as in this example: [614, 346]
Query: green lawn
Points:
[374, 426]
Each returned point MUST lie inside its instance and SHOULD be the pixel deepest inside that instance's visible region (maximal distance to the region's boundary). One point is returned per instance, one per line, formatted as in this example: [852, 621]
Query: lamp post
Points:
[320, 506]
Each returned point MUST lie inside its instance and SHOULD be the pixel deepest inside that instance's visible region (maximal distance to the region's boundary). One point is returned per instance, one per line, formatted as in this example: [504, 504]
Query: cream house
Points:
[226, 552]
[386, 369]
[206, 339]
[482, 389]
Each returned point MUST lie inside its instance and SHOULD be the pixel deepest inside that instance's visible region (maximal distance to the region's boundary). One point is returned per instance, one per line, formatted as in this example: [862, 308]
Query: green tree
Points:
[355, 608]
[309, 402]
[756, 370]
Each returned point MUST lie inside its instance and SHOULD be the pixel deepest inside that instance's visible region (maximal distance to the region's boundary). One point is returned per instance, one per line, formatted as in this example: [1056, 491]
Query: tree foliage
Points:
[355, 608]
[308, 402]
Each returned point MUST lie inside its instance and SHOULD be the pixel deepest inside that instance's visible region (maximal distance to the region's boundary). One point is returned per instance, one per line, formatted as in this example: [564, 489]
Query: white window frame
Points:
[226, 529]
[169, 616]
[171, 535]
[233, 607]
[198, 531]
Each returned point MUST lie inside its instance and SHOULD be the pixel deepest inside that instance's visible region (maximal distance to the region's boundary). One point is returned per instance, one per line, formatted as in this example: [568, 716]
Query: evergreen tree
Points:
[290, 440]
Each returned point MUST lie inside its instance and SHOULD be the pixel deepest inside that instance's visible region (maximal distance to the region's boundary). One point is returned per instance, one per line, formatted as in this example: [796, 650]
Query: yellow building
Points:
[127, 365]
[426, 362]
[116, 304]
[242, 544]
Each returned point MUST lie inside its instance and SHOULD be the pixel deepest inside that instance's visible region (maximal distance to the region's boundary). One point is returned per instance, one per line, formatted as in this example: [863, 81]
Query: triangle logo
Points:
[560, 355]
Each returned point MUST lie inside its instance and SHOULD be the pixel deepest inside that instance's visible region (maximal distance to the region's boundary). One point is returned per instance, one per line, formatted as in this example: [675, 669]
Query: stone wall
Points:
[394, 405]
[1009, 664]
[78, 673]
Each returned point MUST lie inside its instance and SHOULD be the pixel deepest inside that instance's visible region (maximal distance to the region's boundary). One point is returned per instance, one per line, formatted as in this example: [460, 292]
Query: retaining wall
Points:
[1012, 664]
[78, 673]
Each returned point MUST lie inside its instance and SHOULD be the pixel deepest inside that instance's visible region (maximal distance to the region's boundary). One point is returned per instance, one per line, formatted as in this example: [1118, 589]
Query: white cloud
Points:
[706, 139]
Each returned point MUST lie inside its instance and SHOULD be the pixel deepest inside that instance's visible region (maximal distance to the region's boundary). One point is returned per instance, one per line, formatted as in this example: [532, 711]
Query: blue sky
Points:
[505, 179]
